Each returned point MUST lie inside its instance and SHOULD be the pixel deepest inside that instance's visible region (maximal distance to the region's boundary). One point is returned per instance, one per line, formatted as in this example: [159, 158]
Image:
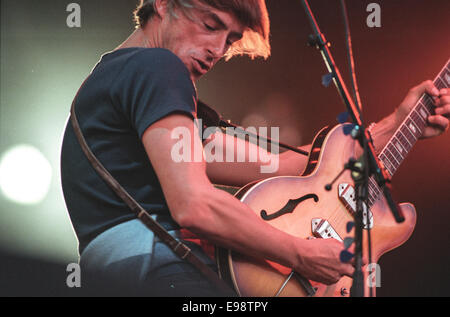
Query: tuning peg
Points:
[346, 256]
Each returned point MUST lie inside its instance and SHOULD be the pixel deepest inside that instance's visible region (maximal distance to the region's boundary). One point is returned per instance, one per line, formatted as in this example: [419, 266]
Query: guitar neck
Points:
[406, 136]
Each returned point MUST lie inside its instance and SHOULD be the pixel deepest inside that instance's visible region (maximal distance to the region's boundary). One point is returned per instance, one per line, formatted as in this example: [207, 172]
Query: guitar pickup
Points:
[321, 228]
[347, 196]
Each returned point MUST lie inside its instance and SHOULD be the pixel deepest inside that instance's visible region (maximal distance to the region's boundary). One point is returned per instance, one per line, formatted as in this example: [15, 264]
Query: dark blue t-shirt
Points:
[128, 90]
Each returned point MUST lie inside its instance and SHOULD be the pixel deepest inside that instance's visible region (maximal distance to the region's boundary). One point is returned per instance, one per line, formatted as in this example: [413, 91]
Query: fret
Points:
[427, 101]
[446, 79]
[387, 164]
[399, 146]
[413, 128]
[392, 160]
[374, 191]
[421, 122]
[373, 200]
[409, 136]
[406, 145]
[374, 184]
[439, 83]
[423, 110]
[371, 196]
[395, 153]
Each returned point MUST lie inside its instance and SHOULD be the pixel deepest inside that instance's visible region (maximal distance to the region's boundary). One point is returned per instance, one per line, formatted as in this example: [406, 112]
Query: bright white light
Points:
[25, 174]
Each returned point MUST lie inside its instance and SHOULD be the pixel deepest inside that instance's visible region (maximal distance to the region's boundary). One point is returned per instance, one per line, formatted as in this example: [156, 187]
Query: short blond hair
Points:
[251, 13]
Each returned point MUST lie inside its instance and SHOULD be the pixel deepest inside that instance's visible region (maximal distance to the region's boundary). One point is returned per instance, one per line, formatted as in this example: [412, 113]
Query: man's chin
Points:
[195, 76]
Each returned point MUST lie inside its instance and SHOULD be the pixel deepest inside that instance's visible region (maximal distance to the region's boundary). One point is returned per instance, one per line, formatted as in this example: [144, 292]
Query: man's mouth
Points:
[201, 67]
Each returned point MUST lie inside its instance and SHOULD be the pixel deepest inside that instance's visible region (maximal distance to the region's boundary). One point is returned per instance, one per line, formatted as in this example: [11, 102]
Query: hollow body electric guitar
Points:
[300, 206]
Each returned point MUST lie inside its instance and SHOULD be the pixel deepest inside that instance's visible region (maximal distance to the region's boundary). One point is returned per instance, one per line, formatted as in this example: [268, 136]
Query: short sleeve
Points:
[153, 84]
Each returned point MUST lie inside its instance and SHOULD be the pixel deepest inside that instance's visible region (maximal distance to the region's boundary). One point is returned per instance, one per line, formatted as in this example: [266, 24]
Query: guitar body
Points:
[295, 205]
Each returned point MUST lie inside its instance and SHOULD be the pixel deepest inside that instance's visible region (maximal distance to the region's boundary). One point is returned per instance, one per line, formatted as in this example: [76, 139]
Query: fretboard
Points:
[408, 133]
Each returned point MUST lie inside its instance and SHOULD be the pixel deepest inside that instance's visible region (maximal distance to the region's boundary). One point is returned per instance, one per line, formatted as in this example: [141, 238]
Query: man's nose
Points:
[218, 48]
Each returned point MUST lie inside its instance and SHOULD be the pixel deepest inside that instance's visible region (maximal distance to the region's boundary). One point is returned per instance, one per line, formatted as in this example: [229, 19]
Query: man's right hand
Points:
[321, 261]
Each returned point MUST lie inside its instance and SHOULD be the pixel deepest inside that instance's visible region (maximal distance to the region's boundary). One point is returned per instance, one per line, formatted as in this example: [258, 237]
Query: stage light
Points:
[25, 175]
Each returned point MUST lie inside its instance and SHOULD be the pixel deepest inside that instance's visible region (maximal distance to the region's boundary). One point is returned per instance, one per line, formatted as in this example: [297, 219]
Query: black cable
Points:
[213, 119]
[227, 124]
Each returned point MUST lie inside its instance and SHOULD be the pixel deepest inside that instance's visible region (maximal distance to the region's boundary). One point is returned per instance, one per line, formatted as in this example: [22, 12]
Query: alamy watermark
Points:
[74, 18]
[190, 149]
[374, 275]
[374, 18]
[73, 279]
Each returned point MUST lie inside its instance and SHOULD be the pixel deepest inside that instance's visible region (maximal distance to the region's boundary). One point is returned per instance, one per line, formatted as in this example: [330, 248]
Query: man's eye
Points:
[209, 27]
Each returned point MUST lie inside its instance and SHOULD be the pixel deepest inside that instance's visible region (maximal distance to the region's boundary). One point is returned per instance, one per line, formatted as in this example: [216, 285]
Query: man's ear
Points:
[161, 8]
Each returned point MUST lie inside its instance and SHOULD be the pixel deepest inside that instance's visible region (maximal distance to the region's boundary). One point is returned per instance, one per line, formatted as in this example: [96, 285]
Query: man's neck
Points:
[147, 37]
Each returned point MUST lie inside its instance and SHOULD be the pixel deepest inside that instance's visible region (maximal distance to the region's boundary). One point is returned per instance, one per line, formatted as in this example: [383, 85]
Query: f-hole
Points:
[288, 208]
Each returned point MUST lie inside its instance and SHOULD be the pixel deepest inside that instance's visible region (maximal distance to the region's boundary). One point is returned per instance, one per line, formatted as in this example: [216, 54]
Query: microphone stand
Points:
[369, 165]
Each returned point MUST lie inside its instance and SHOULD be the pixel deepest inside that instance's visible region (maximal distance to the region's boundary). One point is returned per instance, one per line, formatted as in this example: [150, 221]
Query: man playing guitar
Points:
[129, 108]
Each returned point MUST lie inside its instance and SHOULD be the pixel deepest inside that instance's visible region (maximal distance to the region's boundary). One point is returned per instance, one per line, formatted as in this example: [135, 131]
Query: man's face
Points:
[202, 41]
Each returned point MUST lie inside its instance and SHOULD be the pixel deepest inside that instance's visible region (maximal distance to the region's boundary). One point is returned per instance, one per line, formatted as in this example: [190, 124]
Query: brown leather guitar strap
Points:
[179, 248]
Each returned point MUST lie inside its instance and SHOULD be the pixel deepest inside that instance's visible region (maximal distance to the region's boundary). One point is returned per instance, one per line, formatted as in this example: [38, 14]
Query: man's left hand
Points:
[438, 123]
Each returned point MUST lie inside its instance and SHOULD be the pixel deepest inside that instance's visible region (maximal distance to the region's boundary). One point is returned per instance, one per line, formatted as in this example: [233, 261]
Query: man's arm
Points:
[217, 216]
[290, 163]
[242, 162]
